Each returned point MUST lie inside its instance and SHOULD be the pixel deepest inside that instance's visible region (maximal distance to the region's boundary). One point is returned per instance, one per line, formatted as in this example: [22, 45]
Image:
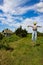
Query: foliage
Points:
[20, 32]
[1, 36]
[40, 34]
[4, 43]
[11, 38]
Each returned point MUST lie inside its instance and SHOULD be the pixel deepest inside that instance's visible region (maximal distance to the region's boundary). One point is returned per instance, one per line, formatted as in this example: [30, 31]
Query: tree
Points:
[20, 32]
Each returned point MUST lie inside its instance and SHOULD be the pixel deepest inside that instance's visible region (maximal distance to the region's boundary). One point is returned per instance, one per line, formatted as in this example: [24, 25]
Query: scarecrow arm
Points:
[29, 26]
[39, 26]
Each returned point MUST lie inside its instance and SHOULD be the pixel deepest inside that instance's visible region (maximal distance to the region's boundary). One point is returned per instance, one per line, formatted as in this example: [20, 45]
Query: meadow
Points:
[24, 52]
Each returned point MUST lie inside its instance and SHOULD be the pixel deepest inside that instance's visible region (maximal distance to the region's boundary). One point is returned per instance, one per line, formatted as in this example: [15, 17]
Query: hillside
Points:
[24, 52]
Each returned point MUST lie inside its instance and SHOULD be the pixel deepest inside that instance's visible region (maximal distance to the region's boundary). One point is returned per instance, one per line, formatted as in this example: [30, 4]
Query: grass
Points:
[24, 52]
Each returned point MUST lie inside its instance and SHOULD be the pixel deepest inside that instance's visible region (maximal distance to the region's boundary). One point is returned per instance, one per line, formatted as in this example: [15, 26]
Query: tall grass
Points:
[24, 52]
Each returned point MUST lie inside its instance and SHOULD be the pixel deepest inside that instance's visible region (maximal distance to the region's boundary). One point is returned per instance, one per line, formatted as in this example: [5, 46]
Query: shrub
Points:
[40, 34]
[1, 36]
[20, 32]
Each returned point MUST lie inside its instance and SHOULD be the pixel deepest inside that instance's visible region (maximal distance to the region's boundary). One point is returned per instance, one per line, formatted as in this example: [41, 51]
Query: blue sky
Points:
[14, 13]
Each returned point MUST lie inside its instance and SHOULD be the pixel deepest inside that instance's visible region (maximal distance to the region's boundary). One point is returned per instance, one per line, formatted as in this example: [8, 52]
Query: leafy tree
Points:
[20, 32]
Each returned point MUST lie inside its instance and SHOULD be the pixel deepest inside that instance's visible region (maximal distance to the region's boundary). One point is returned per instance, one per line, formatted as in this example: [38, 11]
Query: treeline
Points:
[39, 34]
[20, 32]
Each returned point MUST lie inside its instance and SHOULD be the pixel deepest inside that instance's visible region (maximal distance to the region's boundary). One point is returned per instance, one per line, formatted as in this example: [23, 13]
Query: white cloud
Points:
[39, 7]
[21, 10]
[13, 7]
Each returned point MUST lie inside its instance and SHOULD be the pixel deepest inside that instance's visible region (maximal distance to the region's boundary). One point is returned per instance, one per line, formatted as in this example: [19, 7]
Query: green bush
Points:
[5, 42]
[20, 32]
[40, 34]
[1, 36]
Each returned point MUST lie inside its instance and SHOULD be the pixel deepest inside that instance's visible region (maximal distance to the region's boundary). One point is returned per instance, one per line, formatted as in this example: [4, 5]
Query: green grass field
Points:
[24, 52]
